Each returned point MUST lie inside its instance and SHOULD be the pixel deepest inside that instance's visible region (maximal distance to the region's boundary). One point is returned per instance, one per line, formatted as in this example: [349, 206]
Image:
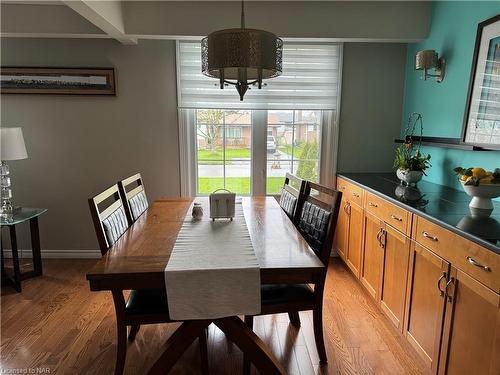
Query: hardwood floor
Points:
[56, 323]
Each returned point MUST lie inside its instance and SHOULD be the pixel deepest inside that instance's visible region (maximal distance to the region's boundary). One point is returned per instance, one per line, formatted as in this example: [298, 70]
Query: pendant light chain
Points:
[242, 14]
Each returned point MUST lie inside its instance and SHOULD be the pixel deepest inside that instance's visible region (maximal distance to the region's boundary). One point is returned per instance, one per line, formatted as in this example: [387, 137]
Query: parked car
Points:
[271, 144]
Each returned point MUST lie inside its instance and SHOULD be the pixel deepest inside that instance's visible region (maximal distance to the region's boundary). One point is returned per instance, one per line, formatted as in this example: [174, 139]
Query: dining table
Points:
[138, 260]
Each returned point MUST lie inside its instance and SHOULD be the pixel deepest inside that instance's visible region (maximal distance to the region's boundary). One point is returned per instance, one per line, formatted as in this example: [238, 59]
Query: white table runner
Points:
[213, 271]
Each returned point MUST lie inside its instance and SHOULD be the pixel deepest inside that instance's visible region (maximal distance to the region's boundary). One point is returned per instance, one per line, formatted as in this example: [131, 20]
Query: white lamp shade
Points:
[12, 143]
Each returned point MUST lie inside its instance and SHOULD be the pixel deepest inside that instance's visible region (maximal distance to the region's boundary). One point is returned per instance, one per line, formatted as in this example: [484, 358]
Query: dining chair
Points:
[143, 306]
[317, 220]
[133, 196]
[290, 194]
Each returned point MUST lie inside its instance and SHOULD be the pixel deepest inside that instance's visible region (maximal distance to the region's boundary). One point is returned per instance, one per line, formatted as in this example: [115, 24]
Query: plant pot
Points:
[481, 204]
[409, 177]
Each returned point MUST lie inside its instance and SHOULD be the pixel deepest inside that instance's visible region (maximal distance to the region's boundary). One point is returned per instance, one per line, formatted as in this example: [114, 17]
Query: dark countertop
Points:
[440, 204]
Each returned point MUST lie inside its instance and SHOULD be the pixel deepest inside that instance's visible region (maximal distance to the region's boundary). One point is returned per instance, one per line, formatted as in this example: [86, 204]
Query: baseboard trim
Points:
[59, 254]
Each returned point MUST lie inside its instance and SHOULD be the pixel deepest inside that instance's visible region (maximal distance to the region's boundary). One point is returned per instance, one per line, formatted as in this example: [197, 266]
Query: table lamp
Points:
[12, 148]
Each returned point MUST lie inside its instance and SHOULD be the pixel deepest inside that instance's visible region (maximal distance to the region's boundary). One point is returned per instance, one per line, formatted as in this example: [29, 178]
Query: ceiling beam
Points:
[106, 15]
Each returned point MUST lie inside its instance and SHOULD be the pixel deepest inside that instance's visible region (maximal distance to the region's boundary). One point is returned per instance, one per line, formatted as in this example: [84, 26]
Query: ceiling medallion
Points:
[241, 57]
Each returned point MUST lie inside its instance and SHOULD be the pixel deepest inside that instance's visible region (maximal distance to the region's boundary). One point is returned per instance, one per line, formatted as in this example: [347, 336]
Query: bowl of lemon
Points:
[482, 186]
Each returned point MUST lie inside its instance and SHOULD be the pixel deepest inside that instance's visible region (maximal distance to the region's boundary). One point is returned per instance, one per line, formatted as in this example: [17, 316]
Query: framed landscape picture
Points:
[62, 81]
[482, 111]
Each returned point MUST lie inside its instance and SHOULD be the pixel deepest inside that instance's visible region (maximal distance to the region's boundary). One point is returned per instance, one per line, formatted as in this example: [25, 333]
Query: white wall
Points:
[372, 100]
[80, 145]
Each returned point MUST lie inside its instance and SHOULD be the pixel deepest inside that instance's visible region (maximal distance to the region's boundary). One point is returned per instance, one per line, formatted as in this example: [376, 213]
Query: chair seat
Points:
[147, 301]
[286, 293]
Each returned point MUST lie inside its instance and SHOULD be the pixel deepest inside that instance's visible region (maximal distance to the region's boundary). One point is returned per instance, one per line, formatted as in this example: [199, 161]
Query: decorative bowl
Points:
[481, 204]
[409, 177]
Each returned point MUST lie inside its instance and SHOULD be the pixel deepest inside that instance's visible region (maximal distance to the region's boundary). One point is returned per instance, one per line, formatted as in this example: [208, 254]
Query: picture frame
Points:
[481, 126]
[57, 81]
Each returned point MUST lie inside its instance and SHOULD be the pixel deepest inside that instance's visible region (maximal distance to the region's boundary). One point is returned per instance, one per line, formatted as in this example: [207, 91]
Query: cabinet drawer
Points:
[476, 261]
[343, 186]
[352, 193]
[393, 215]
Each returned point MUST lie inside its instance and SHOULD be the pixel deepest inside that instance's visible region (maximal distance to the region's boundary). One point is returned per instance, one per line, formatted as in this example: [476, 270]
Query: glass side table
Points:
[19, 216]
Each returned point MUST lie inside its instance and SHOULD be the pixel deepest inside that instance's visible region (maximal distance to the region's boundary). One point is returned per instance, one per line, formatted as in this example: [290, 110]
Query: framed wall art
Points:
[482, 112]
[63, 81]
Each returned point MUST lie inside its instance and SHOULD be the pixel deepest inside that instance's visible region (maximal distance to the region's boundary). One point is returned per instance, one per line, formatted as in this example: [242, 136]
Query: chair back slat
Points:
[134, 191]
[134, 197]
[318, 218]
[108, 211]
[110, 223]
[99, 198]
[290, 196]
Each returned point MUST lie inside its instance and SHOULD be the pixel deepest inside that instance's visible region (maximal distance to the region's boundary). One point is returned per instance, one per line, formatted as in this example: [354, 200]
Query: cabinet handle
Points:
[427, 235]
[474, 263]
[372, 204]
[383, 238]
[355, 194]
[449, 296]
[380, 235]
[396, 218]
[342, 188]
[443, 276]
[346, 208]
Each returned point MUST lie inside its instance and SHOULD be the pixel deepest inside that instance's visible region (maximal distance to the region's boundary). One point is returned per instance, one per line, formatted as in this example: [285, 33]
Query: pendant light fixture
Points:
[241, 57]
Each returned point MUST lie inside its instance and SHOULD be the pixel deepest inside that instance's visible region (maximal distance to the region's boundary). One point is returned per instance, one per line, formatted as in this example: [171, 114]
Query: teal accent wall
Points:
[442, 105]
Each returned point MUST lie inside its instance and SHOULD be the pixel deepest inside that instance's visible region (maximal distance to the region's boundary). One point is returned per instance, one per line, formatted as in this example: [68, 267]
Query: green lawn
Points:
[231, 153]
[297, 152]
[238, 185]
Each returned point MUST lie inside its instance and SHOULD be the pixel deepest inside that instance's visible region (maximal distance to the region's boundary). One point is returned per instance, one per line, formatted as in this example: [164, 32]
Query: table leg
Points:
[15, 258]
[253, 347]
[177, 344]
[35, 246]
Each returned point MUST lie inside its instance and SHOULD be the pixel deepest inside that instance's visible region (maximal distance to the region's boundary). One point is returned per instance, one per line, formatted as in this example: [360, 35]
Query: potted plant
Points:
[410, 164]
[409, 161]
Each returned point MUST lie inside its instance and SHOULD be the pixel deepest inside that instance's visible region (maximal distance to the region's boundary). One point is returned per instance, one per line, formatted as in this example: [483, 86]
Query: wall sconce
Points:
[429, 59]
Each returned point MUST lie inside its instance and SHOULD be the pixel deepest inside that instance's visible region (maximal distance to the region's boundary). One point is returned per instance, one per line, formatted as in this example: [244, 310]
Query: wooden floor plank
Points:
[57, 323]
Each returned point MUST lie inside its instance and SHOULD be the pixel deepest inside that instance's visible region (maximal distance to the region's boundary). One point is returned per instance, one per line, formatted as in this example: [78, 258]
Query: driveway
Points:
[242, 168]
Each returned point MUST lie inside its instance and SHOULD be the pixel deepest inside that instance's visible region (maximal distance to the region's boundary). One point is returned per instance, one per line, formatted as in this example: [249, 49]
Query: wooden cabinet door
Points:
[425, 303]
[471, 338]
[395, 275]
[340, 239]
[355, 238]
[373, 255]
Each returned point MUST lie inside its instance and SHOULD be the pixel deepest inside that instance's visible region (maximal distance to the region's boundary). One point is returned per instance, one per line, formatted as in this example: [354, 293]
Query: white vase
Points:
[481, 204]
[409, 177]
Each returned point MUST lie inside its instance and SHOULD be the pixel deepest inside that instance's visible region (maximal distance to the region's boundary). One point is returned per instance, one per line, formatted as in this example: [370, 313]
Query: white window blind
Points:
[310, 80]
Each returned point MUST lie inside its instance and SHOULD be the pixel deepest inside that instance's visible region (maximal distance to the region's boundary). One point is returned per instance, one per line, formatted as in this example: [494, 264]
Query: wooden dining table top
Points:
[138, 259]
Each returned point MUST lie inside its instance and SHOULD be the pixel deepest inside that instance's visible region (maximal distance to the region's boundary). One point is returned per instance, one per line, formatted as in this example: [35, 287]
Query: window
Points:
[248, 146]
[295, 147]
[233, 132]
[223, 150]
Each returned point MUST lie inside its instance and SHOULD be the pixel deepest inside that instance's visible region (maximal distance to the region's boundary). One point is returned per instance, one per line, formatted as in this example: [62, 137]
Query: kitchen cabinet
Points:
[354, 238]
[471, 338]
[395, 274]
[340, 239]
[441, 291]
[427, 277]
[373, 255]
